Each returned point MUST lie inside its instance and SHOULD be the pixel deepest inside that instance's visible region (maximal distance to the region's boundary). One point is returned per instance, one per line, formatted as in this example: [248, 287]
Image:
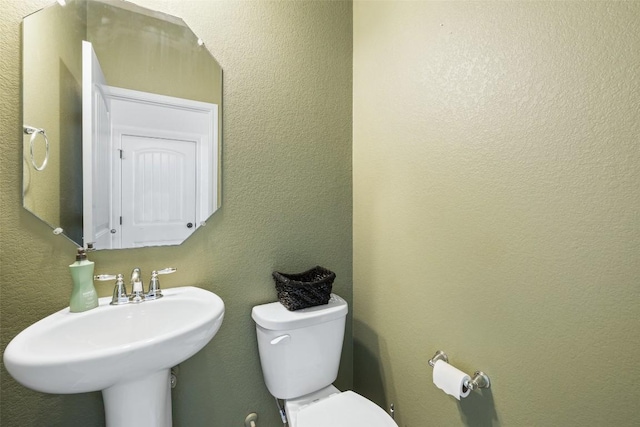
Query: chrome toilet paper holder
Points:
[479, 379]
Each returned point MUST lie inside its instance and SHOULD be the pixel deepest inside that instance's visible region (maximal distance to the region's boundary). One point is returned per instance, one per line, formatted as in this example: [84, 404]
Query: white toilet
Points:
[300, 354]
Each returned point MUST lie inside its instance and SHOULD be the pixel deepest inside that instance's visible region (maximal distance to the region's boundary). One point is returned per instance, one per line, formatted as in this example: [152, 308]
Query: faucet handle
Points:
[154, 286]
[119, 290]
[167, 270]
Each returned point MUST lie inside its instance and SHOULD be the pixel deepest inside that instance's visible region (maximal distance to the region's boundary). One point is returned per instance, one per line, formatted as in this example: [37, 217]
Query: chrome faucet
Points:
[119, 291]
[120, 295]
[154, 286]
[137, 287]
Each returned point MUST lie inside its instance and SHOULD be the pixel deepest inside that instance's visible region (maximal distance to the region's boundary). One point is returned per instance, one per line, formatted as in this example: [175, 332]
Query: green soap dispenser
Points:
[83, 296]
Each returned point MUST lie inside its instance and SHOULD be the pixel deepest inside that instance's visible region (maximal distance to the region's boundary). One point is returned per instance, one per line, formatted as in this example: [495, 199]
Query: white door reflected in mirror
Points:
[158, 191]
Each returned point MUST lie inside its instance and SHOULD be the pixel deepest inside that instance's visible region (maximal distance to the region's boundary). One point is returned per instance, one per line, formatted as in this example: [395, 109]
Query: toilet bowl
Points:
[300, 355]
[330, 407]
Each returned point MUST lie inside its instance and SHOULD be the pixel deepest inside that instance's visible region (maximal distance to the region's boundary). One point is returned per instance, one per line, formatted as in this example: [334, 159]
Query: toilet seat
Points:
[346, 409]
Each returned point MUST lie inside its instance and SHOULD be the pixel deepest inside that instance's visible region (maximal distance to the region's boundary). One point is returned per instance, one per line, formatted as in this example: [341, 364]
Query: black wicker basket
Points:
[302, 290]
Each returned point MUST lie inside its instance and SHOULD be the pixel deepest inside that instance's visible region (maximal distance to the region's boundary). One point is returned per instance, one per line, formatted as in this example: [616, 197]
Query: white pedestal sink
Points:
[125, 351]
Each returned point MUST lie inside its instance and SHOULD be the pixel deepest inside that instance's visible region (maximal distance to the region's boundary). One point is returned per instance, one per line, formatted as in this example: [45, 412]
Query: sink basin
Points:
[119, 350]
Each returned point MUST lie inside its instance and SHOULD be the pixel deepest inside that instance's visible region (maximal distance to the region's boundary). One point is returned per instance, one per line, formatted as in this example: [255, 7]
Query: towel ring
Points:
[34, 132]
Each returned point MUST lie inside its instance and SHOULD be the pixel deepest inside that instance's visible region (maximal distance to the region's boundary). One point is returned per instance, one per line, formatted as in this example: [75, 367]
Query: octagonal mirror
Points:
[122, 112]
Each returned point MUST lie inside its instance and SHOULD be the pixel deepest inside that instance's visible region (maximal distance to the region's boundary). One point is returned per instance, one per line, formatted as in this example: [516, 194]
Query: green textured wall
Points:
[286, 203]
[496, 200]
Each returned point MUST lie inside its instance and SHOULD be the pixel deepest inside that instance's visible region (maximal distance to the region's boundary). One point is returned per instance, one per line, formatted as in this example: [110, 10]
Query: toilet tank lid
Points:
[274, 316]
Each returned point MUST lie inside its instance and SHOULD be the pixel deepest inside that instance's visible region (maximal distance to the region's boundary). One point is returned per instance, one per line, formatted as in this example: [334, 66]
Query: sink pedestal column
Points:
[145, 402]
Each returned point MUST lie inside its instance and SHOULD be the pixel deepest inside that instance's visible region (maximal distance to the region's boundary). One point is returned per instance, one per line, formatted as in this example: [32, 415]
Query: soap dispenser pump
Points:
[83, 296]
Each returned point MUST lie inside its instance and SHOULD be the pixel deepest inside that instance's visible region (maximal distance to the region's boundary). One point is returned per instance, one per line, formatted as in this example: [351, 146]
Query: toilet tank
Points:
[300, 350]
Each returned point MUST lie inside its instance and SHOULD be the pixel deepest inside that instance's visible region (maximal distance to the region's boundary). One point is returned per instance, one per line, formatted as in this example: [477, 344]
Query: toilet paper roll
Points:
[450, 379]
